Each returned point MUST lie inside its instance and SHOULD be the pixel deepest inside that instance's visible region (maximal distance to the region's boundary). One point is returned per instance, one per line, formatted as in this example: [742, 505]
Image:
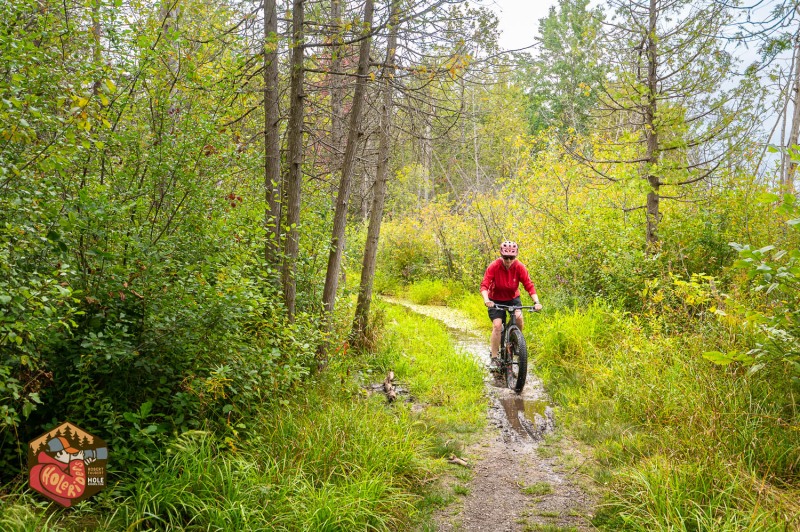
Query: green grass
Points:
[323, 463]
[538, 489]
[683, 444]
[472, 305]
[460, 489]
[535, 527]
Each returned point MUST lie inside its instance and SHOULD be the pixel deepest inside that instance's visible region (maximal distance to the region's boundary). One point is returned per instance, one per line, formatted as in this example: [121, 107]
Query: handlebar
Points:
[511, 308]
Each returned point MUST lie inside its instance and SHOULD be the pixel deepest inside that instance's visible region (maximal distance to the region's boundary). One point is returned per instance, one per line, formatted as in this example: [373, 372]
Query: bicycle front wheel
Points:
[517, 369]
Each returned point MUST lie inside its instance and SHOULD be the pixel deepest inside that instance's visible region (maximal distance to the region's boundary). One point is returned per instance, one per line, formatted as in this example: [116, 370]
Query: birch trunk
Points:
[791, 154]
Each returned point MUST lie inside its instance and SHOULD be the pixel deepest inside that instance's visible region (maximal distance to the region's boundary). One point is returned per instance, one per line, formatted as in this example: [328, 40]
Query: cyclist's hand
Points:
[489, 304]
[537, 307]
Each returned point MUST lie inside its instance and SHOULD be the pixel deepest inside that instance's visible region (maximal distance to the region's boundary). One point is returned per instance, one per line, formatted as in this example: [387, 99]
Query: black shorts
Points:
[495, 313]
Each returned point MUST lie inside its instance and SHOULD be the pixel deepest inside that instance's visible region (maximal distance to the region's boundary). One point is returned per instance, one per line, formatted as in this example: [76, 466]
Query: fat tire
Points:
[519, 348]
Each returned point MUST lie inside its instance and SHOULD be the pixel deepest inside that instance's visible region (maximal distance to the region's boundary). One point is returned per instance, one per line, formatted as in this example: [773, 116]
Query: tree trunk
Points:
[169, 13]
[791, 155]
[345, 184]
[97, 50]
[272, 149]
[379, 192]
[652, 153]
[295, 177]
[337, 91]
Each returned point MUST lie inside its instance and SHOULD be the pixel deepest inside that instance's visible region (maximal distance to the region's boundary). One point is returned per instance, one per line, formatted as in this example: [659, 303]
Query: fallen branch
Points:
[458, 461]
[388, 387]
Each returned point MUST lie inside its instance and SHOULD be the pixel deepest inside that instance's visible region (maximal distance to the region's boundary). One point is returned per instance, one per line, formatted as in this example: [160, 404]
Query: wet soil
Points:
[523, 474]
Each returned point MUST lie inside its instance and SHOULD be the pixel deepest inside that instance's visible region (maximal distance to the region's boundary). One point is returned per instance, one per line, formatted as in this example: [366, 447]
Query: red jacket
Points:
[503, 284]
[51, 478]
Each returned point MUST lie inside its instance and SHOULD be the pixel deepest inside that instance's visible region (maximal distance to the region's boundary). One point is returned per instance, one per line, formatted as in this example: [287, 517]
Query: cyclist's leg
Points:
[497, 329]
[498, 317]
[517, 313]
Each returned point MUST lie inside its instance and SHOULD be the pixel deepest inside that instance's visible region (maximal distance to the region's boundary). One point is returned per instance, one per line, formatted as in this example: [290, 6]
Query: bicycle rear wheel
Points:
[517, 366]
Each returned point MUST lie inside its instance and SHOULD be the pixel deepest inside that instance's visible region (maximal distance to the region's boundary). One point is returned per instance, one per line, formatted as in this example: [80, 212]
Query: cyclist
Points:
[501, 285]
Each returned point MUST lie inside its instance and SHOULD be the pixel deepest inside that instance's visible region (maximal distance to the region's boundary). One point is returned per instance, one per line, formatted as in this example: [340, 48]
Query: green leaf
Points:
[27, 408]
[145, 409]
[718, 357]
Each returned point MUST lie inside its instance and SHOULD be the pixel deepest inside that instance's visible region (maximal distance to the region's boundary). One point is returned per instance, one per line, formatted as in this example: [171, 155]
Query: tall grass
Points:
[688, 445]
[319, 465]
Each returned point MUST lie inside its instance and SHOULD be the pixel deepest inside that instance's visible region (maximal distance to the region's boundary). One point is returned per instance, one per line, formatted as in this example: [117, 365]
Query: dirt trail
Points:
[519, 483]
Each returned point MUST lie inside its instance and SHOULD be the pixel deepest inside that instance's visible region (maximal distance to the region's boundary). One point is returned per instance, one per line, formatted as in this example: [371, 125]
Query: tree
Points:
[664, 116]
[567, 70]
[449, 58]
[337, 79]
[776, 32]
[353, 138]
[272, 154]
[381, 178]
[295, 156]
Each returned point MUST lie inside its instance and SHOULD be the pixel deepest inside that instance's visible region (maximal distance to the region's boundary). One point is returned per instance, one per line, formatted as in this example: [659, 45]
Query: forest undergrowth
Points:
[334, 457]
[682, 444]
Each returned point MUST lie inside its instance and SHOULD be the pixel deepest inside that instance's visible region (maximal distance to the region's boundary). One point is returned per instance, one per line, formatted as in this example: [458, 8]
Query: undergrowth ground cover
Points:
[682, 444]
[335, 457]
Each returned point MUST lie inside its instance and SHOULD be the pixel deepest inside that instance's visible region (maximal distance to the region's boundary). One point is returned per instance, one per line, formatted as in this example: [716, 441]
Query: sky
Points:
[519, 20]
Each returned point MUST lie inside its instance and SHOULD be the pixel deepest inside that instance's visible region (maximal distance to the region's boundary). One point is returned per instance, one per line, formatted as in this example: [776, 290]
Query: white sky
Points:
[519, 20]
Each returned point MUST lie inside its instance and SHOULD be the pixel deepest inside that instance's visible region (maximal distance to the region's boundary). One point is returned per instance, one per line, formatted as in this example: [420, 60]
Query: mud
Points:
[516, 486]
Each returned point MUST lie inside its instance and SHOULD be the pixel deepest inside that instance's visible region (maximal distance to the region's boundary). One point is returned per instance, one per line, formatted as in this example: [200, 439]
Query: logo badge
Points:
[67, 465]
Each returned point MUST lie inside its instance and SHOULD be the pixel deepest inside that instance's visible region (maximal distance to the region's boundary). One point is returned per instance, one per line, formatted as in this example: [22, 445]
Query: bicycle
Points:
[513, 349]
